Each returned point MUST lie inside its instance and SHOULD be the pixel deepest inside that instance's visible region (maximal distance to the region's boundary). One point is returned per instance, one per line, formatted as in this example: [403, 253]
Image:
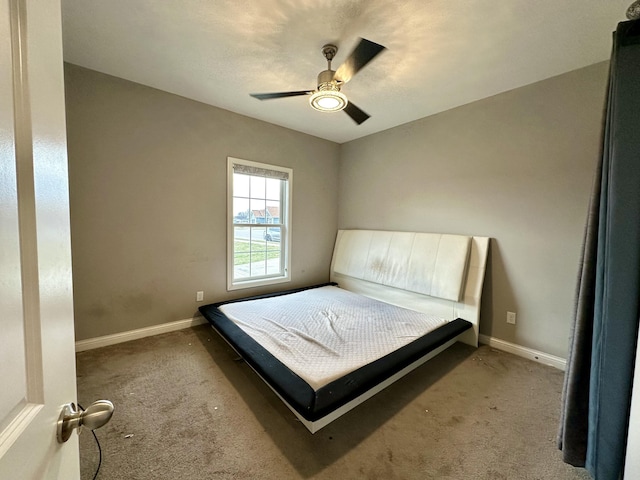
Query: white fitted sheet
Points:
[324, 333]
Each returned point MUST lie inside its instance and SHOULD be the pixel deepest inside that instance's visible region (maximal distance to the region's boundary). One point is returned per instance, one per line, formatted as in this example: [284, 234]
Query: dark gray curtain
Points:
[599, 375]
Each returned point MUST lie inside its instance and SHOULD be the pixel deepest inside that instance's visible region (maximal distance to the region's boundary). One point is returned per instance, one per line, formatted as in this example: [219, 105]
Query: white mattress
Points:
[324, 333]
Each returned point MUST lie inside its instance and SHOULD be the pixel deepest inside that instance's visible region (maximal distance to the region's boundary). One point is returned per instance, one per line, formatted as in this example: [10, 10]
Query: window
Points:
[258, 224]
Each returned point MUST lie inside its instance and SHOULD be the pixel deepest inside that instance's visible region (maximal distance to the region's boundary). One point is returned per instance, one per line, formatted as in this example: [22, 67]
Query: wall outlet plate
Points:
[511, 318]
[199, 296]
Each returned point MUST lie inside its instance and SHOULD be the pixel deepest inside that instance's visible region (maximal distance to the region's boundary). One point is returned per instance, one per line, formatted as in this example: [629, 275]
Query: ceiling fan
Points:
[328, 97]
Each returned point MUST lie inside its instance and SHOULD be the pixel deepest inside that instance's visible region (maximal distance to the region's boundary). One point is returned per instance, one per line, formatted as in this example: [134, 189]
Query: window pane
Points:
[272, 235]
[258, 211]
[258, 237]
[258, 264]
[273, 266]
[240, 185]
[258, 187]
[241, 265]
[273, 212]
[241, 235]
[241, 212]
[274, 246]
[273, 189]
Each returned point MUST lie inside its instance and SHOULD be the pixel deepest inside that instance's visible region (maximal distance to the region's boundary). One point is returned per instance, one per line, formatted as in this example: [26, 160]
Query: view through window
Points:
[259, 197]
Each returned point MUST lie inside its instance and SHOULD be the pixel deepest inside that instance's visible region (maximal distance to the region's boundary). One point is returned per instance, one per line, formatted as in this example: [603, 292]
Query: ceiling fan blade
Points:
[364, 52]
[355, 113]
[269, 96]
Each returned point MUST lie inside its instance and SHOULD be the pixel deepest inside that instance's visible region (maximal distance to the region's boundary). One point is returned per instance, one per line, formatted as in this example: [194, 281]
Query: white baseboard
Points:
[106, 340]
[529, 353]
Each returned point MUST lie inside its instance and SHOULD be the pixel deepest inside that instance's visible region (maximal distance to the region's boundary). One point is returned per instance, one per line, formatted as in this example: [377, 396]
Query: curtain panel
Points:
[599, 377]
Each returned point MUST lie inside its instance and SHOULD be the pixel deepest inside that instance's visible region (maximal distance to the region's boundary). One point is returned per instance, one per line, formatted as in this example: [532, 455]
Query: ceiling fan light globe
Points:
[328, 101]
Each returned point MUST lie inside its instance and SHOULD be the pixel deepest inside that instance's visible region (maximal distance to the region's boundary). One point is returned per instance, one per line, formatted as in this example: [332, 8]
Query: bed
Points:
[415, 294]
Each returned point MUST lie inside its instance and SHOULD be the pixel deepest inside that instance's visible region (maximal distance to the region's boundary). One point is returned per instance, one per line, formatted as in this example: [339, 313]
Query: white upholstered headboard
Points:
[428, 272]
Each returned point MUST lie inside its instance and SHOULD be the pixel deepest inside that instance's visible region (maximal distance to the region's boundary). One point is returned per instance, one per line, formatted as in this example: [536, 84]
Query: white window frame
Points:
[285, 225]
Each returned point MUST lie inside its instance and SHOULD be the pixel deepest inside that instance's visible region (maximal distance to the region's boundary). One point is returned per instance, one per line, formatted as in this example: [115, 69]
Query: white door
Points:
[37, 365]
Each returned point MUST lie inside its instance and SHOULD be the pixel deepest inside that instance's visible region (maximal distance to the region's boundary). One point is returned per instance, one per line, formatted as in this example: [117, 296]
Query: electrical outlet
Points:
[199, 296]
[511, 318]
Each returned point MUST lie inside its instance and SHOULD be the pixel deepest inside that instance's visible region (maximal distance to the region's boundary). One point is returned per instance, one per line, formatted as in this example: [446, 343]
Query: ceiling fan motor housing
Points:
[325, 78]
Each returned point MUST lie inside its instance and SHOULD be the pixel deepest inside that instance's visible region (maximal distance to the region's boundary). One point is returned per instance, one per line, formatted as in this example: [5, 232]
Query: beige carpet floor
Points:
[186, 409]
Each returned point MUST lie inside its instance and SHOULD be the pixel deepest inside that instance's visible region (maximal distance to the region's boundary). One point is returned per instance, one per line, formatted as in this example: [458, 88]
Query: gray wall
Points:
[517, 167]
[148, 200]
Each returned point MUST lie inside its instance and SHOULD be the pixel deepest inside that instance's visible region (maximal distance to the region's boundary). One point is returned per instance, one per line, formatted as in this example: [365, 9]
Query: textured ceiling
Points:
[440, 53]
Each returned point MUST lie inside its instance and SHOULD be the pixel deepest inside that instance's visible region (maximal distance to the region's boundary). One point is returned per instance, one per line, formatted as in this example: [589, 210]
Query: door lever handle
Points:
[95, 416]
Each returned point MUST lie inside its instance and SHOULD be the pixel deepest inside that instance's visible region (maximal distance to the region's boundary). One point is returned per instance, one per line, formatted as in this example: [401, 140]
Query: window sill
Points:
[239, 285]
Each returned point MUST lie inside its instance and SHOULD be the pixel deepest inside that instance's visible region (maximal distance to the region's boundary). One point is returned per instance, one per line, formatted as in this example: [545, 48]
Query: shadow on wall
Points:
[497, 296]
